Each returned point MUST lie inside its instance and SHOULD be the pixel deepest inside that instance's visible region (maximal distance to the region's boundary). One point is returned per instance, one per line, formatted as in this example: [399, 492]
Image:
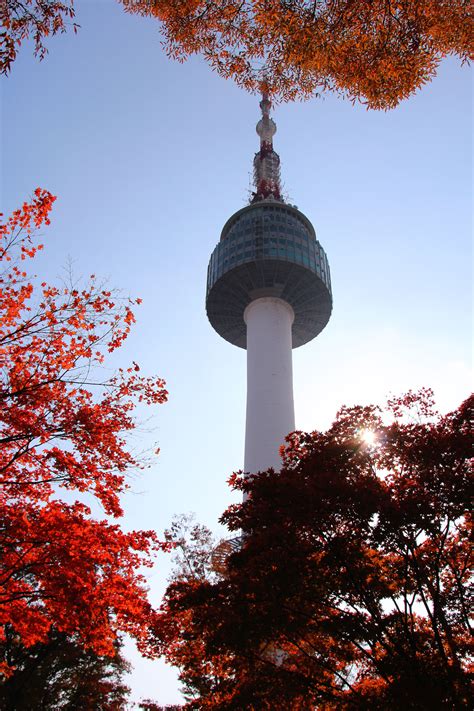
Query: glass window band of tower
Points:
[268, 231]
[268, 249]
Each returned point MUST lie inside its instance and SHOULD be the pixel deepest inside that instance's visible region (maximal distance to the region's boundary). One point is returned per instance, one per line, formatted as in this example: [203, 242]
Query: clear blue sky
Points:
[149, 158]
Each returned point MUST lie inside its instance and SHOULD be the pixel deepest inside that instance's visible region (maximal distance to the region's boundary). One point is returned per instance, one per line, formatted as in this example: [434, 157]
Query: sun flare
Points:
[368, 437]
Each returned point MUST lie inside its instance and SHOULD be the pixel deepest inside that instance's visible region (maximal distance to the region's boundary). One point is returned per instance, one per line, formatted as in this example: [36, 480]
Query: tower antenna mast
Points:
[266, 164]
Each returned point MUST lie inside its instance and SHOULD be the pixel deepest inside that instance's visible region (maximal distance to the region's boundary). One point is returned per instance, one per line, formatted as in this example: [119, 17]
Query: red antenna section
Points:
[266, 164]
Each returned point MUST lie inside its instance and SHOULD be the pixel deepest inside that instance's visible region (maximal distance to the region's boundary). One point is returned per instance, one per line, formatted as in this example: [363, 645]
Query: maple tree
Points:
[352, 585]
[38, 19]
[64, 428]
[60, 674]
[376, 51]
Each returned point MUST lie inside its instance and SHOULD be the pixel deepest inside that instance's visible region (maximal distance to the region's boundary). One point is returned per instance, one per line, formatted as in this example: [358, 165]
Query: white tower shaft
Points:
[270, 407]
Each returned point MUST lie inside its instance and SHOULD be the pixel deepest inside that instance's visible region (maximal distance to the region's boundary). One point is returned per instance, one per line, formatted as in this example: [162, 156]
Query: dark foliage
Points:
[60, 674]
[353, 584]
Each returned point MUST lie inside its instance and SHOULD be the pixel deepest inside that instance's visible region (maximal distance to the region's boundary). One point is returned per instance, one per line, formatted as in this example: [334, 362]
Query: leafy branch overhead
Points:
[378, 52]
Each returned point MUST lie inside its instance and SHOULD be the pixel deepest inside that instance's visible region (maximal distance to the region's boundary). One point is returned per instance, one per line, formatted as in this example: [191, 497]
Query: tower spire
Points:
[266, 164]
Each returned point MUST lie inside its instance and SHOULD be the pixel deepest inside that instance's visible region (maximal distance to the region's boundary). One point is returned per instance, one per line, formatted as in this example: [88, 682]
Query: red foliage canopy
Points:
[376, 51]
[62, 427]
[351, 589]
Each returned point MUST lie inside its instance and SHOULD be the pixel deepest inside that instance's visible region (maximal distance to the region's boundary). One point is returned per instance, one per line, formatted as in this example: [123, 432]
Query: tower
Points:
[268, 291]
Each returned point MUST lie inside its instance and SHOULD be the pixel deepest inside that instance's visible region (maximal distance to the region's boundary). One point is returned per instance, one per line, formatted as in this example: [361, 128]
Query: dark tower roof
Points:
[268, 248]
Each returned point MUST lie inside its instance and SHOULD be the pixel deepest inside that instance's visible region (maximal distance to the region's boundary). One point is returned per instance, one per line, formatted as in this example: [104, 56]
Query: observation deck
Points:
[268, 249]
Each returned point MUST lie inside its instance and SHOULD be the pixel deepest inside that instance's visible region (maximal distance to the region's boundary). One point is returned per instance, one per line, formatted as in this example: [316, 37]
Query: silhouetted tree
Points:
[60, 674]
[352, 586]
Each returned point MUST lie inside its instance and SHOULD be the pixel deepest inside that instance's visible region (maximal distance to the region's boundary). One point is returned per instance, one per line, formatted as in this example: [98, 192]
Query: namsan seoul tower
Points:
[268, 290]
